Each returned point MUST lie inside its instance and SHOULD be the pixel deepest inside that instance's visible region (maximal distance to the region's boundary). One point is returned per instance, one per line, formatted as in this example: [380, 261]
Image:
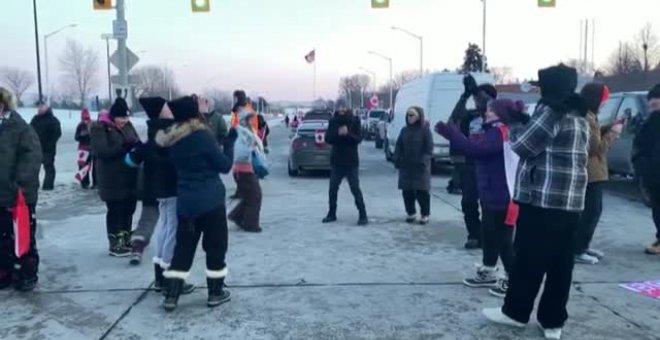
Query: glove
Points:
[519, 117]
[470, 85]
[442, 128]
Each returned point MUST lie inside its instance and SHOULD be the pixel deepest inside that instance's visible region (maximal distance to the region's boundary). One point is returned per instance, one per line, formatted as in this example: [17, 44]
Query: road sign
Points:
[200, 5]
[132, 59]
[131, 79]
[373, 102]
[547, 3]
[120, 29]
[380, 3]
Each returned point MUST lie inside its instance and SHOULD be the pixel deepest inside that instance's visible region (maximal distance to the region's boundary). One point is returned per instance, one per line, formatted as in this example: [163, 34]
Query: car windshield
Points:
[376, 114]
[322, 115]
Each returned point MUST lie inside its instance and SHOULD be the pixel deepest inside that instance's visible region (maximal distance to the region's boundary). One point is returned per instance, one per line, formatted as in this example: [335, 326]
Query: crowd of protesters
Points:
[531, 184]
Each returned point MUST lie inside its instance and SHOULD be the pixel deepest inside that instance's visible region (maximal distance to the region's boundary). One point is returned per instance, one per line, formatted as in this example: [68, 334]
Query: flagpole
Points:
[314, 98]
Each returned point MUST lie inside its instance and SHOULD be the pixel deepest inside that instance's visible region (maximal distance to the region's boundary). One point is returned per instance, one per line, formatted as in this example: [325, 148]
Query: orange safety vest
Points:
[255, 119]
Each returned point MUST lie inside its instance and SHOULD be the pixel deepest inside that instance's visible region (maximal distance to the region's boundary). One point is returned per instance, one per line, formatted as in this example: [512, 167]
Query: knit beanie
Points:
[594, 95]
[184, 108]
[506, 108]
[119, 108]
[152, 106]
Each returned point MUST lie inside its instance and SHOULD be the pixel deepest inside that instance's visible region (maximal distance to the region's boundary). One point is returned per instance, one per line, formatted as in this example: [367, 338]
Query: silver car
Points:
[308, 150]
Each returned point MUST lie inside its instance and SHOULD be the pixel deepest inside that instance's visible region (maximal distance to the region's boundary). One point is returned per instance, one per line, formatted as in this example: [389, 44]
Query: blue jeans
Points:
[167, 224]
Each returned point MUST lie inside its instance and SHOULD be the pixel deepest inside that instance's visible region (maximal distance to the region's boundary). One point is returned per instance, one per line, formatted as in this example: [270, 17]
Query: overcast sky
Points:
[259, 45]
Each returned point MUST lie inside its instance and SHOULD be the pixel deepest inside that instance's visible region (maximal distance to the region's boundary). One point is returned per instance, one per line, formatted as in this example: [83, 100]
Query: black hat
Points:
[241, 97]
[152, 106]
[119, 108]
[488, 89]
[557, 82]
[184, 108]
[594, 94]
[654, 93]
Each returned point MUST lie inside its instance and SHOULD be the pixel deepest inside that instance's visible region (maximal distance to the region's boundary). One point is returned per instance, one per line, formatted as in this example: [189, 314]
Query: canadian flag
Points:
[311, 57]
[511, 161]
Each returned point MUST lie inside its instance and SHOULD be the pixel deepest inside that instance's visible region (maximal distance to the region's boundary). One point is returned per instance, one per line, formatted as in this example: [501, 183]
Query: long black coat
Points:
[344, 153]
[412, 156]
[49, 130]
[117, 180]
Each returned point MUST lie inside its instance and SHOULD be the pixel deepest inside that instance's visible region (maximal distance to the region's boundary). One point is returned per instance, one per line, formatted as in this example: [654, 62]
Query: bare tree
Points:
[155, 81]
[223, 100]
[17, 80]
[647, 47]
[580, 66]
[623, 61]
[79, 67]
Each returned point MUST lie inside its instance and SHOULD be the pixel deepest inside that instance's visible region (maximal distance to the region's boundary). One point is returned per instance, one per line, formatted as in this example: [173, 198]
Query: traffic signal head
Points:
[380, 3]
[547, 3]
[102, 4]
[201, 5]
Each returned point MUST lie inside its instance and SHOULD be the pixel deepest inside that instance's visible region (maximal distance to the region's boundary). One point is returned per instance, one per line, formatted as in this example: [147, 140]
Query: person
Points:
[49, 130]
[111, 139]
[497, 228]
[160, 184]
[198, 161]
[246, 213]
[263, 131]
[646, 158]
[286, 120]
[470, 122]
[85, 164]
[344, 135]
[550, 187]
[215, 120]
[412, 157]
[20, 151]
[600, 139]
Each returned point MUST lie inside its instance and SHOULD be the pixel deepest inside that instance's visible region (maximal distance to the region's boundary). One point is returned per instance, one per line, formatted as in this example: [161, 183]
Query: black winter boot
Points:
[117, 248]
[174, 289]
[217, 294]
[363, 219]
[332, 215]
[159, 280]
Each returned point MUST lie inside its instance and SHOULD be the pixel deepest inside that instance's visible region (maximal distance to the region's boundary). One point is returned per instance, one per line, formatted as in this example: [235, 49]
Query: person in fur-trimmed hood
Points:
[198, 160]
[246, 213]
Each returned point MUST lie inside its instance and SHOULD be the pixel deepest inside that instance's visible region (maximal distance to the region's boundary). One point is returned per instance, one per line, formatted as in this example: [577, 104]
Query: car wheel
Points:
[388, 153]
[292, 172]
[643, 191]
[379, 143]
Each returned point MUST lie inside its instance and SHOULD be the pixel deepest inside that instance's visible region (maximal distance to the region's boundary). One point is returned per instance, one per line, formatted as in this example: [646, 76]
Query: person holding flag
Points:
[85, 164]
[20, 152]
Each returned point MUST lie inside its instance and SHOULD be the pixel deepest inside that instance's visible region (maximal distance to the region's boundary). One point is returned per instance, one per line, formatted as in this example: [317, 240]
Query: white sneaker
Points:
[551, 333]
[595, 253]
[486, 277]
[495, 315]
[586, 259]
[411, 219]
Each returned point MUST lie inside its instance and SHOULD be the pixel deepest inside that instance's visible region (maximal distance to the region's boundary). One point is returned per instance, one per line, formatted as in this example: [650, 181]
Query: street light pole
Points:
[36, 38]
[48, 87]
[391, 77]
[421, 46]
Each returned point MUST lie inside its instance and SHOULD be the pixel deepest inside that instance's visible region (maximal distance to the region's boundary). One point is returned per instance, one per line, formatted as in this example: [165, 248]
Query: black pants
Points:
[455, 181]
[423, 197]
[352, 176]
[655, 207]
[544, 248]
[119, 218]
[48, 162]
[214, 227]
[593, 208]
[496, 238]
[470, 201]
[17, 270]
[247, 212]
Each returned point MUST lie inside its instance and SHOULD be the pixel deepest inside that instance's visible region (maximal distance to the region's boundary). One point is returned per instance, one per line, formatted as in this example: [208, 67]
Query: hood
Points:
[178, 131]
[422, 118]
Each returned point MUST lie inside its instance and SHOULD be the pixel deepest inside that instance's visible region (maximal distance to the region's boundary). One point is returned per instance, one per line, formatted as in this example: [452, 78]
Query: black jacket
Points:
[83, 135]
[344, 148]
[646, 151]
[469, 122]
[412, 156]
[48, 129]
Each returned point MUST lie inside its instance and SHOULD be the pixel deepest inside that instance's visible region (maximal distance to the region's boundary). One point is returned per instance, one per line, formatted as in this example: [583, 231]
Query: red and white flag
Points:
[21, 221]
[311, 57]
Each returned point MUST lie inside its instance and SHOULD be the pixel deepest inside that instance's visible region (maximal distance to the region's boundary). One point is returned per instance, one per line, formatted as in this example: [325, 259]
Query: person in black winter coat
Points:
[344, 134]
[49, 130]
[198, 160]
[646, 158]
[470, 122]
[85, 162]
[412, 156]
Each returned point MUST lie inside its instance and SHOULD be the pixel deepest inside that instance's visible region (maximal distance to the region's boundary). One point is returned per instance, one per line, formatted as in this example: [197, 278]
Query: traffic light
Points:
[201, 5]
[547, 3]
[380, 3]
[102, 4]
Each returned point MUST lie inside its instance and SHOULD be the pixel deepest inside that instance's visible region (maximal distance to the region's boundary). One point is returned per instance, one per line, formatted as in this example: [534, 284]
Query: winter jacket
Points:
[49, 131]
[470, 123]
[344, 152]
[82, 136]
[218, 125]
[488, 155]
[599, 143]
[198, 161]
[246, 143]
[158, 177]
[412, 156]
[552, 146]
[20, 155]
[116, 180]
[646, 151]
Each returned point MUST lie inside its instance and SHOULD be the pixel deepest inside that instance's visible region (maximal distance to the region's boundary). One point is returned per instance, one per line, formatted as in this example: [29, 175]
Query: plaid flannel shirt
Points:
[552, 172]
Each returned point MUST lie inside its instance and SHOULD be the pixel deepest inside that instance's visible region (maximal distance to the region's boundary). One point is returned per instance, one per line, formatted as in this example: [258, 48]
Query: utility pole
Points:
[36, 38]
[107, 38]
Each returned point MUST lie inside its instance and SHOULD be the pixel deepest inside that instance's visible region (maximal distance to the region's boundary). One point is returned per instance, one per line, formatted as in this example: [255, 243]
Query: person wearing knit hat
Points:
[494, 193]
[550, 188]
[595, 95]
[200, 202]
[111, 138]
[85, 166]
[464, 173]
[646, 158]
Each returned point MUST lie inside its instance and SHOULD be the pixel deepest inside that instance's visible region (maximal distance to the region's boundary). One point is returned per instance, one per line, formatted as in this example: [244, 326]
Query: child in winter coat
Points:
[198, 160]
[85, 165]
[494, 194]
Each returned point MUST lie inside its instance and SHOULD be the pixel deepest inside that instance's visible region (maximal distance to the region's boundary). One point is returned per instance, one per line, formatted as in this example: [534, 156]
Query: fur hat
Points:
[184, 108]
[119, 108]
[654, 93]
[152, 106]
[557, 82]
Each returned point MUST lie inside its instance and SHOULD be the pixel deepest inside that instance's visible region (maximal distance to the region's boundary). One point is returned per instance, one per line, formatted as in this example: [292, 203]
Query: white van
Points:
[437, 94]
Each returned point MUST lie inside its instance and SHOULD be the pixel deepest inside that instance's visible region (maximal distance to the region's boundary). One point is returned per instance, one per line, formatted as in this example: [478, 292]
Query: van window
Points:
[629, 108]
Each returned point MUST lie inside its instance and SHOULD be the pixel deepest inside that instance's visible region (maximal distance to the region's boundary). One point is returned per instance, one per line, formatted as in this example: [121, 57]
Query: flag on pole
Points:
[311, 57]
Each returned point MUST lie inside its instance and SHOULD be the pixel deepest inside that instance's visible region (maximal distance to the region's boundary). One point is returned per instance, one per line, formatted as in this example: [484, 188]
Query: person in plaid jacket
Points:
[550, 189]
